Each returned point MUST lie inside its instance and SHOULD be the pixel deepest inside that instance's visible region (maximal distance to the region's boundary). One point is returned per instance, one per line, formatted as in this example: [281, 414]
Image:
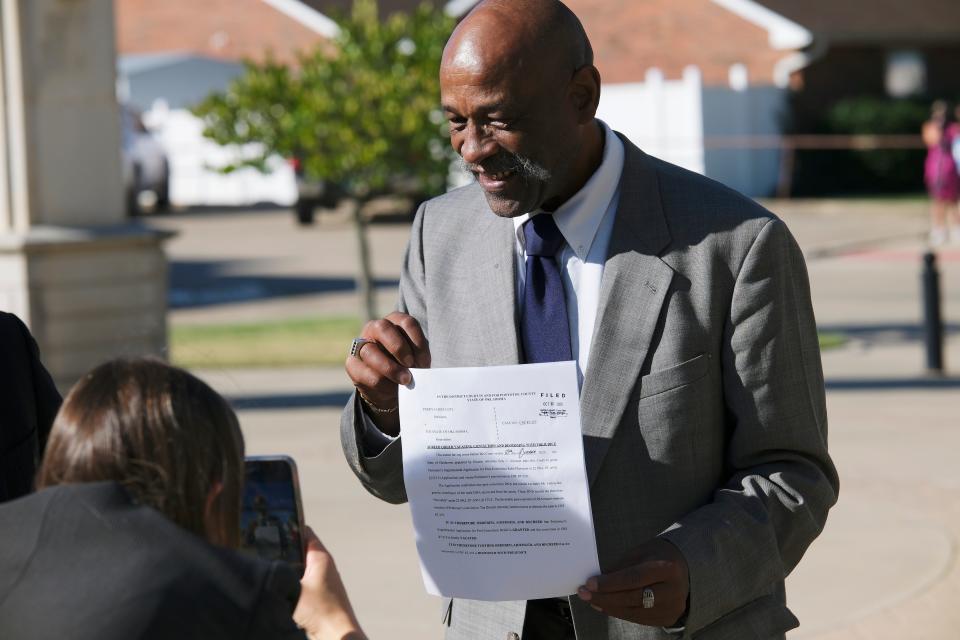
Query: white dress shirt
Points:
[586, 222]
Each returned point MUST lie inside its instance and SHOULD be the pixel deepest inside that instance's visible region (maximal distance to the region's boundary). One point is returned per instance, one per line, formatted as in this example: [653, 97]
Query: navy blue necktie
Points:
[544, 327]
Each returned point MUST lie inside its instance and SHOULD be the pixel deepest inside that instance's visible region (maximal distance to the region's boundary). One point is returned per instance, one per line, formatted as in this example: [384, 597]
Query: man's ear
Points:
[212, 515]
[585, 93]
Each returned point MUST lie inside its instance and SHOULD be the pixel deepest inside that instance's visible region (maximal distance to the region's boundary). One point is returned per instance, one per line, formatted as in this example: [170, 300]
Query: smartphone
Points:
[271, 518]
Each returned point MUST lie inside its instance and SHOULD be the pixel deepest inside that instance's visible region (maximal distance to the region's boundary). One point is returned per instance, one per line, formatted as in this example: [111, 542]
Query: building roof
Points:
[874, 20]
[783, 33]
[306, 15]
[224, 29]
[180, 79]
[141, 62]
[328, 7]
[836, 20]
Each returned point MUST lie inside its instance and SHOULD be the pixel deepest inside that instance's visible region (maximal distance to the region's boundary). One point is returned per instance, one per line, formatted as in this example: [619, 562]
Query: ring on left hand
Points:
[647, 599]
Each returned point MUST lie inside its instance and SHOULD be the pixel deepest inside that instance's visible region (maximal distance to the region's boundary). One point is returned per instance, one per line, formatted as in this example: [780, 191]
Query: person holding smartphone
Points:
[135, 527]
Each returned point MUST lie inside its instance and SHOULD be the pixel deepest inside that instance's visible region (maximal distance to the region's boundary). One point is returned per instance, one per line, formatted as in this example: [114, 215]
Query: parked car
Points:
[145, 165]
[406, 196]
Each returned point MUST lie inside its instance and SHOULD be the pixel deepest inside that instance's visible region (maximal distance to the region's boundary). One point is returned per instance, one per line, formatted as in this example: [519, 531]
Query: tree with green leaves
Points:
[360, 112]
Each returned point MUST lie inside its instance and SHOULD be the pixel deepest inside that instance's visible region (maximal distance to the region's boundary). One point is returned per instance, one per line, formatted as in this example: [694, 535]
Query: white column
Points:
[62, 116]
[16, 201]
[90, 284]
[6, 221]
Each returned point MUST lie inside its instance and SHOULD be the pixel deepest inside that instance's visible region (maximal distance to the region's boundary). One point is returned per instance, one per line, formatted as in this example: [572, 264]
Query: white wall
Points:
[753, 116]
[683, 122]
[662, 117]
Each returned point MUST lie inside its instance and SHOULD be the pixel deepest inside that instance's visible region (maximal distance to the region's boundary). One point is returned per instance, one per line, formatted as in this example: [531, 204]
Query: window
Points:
[906, 73]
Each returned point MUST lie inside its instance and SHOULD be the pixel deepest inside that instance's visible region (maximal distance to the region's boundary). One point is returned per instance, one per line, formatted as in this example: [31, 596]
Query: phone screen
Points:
[271, 520]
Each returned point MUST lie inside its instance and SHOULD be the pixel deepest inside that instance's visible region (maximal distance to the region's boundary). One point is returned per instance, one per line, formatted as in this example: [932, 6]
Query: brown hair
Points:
[162, 433]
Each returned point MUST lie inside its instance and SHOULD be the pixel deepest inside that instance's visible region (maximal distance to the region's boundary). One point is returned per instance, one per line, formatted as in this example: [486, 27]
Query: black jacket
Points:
[84, 562]
[28, 403]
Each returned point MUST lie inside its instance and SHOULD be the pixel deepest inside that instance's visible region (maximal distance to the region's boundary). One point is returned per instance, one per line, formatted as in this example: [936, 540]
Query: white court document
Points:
[494, 470]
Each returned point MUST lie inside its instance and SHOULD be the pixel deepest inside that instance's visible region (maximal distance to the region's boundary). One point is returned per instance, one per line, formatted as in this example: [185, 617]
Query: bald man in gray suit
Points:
[702, 400]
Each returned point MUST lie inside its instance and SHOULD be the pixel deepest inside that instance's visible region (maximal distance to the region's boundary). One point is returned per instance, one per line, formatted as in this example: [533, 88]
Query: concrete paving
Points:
[886, 565]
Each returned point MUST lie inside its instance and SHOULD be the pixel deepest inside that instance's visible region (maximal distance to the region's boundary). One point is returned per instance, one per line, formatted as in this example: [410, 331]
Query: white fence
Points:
[702, 128]
[662, 117]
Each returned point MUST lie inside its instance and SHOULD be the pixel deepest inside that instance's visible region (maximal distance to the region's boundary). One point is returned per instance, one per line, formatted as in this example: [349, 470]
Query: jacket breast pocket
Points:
[678, 375]
[674, 415]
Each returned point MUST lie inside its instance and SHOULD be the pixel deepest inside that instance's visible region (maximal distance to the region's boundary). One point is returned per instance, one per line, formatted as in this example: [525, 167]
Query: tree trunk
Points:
[364, 279]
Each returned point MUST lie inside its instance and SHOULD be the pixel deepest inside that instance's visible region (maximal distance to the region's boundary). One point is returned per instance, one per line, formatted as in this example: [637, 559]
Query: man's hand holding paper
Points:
[656, 570]
[381, 360]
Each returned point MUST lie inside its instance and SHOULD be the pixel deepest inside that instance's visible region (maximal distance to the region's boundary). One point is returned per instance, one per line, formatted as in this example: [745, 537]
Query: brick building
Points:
[219, 29]
[828, 48]
[762, 66]
[873, 48]
[678, 74]
[231, 29]
[630, 37]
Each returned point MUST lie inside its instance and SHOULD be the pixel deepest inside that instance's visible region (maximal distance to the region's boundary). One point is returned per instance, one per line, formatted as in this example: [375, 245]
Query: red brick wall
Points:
[227, 29]
[630, 36]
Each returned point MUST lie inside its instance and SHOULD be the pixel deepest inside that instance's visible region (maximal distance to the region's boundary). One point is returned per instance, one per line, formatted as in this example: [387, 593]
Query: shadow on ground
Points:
[402, 216]
[892, 384]
[196, 284]
[888, 333]
[289, 401]
[279, 401]
[273, 402]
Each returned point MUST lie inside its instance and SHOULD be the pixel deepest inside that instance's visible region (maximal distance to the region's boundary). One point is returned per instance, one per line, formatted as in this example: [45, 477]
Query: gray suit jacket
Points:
[703, 409]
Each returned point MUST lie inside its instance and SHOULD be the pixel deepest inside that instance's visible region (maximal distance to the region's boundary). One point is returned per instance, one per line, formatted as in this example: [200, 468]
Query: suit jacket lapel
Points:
[494, 283]
[632, 291]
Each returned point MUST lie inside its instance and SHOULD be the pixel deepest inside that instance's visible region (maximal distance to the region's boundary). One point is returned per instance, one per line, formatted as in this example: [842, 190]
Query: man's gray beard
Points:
[525, 168]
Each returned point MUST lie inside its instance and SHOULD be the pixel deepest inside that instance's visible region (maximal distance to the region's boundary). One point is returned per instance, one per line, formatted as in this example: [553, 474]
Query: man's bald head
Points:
[520, 92]
[520, 32]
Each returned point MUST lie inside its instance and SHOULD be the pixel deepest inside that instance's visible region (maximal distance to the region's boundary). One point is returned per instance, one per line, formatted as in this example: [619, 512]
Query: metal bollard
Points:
[932, 322]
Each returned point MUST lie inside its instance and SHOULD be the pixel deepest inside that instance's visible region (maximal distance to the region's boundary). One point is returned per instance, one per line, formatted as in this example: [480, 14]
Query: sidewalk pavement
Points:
[886, 565]
[884, 568]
